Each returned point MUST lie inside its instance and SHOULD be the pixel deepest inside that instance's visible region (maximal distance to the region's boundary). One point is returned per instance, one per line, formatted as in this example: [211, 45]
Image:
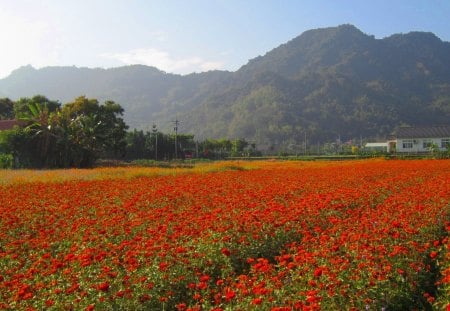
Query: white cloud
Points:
[163, 61]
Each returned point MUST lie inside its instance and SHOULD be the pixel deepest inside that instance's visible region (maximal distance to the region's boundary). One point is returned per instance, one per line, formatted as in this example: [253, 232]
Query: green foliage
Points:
[366, 88]
[237, 147]
[157, 145]
[6, 109]
[24, 106]
[268, 245]
[6, 160]
[72, 136]
[93, 129]
[136, 145]
[325, 82]
[18, 143]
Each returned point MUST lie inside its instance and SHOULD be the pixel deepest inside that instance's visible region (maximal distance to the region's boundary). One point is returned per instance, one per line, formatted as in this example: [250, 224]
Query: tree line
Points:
[76, 134]
[160, 146]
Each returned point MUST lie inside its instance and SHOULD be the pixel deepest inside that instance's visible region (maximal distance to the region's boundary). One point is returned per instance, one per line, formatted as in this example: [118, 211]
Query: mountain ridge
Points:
[329, 82]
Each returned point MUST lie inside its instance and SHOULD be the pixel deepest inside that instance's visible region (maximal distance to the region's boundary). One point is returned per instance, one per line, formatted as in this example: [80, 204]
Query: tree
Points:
[113, 127]
[40, 125]
[38, 137]
[6, 109]
[238, 146]
[15, 142]
[185, 144]
[95, 130]
[72, 136]
[136, 145]
[21, 106]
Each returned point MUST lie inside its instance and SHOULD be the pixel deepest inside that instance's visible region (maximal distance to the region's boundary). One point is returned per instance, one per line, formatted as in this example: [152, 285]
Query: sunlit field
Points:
[27, 176]
[351, 235]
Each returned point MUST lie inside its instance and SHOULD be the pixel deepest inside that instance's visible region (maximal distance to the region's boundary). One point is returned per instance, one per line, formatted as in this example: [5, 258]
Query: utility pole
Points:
[176, 122]
[155, 132]
[339, 144]
[305, 143]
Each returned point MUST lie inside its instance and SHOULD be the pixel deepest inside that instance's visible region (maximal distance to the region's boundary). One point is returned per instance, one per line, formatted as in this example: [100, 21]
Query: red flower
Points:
[181, 306]
[49, 302]
[202, 285]
[163, 266]
[226, 251]
[318, 272]
[197, 296]
[229, 294]
[191, 285]
[103, 287]
[257, 301]
[220, 282]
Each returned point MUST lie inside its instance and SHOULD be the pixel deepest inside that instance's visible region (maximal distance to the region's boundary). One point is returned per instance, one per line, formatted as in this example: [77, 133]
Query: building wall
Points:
[376, 147]
[420, 144]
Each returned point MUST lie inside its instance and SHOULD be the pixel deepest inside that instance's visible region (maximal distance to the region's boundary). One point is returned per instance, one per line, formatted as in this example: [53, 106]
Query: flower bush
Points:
[362, 235]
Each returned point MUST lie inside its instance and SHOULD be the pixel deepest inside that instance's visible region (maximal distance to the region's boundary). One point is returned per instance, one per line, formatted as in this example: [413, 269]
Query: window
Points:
[407, 144]
[427, 144]
[445, 142]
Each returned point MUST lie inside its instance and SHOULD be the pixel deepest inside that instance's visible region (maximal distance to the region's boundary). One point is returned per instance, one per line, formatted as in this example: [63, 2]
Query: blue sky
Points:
[191, 35]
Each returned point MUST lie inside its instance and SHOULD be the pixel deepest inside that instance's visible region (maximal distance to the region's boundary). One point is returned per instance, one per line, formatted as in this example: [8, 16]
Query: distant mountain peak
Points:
[331, 32]
[326, 82]
[23, 70]
[417, 35]
[312, 49]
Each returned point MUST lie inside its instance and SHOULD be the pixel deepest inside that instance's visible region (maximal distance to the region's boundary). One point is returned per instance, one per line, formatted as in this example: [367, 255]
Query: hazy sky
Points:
[189, 35]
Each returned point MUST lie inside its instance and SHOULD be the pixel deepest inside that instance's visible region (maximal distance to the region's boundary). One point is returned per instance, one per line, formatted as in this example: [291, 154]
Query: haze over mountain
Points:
[331, 82]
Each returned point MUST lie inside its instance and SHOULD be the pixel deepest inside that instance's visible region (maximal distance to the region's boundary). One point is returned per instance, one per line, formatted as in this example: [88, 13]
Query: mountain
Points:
[145, 92]
[326, 83]
[334, 82]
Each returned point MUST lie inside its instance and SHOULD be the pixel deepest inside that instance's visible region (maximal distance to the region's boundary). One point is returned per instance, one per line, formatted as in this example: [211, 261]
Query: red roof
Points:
[8, 124]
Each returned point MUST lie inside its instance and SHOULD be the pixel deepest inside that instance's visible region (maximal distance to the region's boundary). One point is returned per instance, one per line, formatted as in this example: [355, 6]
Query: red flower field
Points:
[359, 235]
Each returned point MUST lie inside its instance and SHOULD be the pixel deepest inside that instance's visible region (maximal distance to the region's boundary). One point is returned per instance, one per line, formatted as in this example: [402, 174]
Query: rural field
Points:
[273, 235]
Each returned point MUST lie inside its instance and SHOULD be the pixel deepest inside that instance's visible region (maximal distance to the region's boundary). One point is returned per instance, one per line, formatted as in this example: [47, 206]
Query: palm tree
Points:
[41, 125]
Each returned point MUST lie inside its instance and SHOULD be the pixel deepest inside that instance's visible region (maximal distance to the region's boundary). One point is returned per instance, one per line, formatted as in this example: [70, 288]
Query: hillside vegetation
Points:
[327, 83]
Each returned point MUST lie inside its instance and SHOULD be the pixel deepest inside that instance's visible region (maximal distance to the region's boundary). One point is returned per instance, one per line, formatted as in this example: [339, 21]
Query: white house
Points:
[420, 139]
[376, 147]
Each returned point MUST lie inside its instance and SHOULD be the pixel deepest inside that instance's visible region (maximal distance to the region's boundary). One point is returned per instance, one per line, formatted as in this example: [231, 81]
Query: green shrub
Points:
[6, 160]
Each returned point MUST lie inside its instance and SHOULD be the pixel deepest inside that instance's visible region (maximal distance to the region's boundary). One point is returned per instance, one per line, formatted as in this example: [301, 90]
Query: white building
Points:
[420, 139]
[376, 147]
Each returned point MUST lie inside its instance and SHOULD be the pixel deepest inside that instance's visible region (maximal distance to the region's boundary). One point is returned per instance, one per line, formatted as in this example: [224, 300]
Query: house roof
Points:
[8, 124]
[423, 132]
